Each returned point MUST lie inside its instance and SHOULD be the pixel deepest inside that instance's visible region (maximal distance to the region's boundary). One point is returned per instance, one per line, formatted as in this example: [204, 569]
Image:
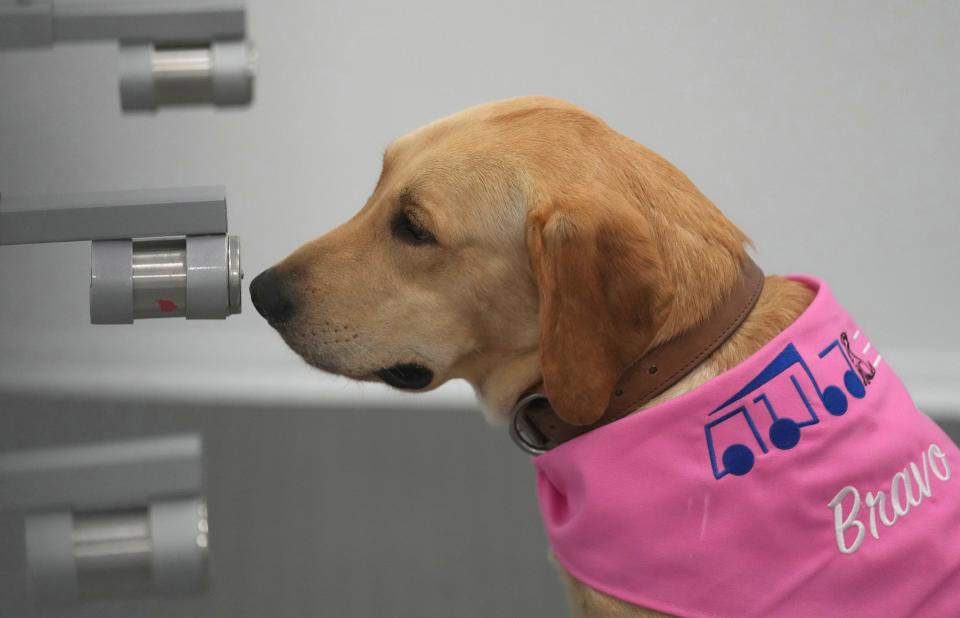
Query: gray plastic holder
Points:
[233, 68]
[207, 285]
[178, 530]
[150, 278]
[111, 282]
[220, 74]
[52, 572]
[136, 82]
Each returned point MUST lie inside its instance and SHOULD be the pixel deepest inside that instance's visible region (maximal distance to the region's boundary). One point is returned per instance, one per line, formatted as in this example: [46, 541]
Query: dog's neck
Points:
[732, 333]
[780, 304]
[663, 366]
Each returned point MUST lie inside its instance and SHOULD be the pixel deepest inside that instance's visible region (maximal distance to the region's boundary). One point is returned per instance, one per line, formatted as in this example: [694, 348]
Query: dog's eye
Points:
[410, 231]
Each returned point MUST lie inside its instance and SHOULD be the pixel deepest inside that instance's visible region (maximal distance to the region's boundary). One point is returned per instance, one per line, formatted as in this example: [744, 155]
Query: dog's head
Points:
[517, 244]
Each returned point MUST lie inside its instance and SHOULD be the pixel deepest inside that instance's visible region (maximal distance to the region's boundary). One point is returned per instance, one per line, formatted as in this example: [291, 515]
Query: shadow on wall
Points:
[332, 512]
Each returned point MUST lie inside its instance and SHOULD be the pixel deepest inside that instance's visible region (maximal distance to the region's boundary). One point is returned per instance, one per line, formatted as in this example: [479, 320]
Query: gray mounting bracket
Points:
[171, 51]
[111, 519]
[155, 252]
[113, 214]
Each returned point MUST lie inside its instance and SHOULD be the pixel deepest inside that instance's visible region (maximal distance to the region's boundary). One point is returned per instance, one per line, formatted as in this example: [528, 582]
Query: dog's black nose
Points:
[268, 291]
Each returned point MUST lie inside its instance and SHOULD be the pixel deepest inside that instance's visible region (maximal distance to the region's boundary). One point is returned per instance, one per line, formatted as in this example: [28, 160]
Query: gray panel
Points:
[25, 24]
[163, 21]
[113, 215]
[101, 475]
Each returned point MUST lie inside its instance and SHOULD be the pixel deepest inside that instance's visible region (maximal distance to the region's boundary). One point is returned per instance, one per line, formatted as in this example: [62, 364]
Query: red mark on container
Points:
[165, 306]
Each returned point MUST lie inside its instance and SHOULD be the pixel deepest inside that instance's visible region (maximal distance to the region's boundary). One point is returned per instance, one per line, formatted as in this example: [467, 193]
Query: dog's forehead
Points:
[476, 157]
[441, 162]
[444, 137]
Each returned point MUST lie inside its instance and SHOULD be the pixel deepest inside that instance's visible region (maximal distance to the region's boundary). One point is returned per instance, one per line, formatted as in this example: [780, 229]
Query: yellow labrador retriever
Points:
[520, 245]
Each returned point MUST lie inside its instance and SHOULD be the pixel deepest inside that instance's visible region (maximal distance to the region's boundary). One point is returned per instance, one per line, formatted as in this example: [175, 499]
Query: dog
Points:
[526, 247]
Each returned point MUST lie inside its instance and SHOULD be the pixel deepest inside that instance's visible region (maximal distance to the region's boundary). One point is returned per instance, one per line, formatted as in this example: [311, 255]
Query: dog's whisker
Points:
[366, 354]
[420, 353]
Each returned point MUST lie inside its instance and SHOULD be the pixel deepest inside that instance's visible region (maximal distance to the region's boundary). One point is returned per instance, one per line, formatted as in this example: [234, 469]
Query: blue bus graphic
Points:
[784, 433]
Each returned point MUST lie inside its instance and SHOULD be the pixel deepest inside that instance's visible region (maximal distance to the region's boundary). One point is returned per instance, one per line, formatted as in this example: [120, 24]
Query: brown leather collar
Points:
[536, 428]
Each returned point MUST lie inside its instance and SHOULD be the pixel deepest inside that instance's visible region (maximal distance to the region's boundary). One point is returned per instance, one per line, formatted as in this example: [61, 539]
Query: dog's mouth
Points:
[408, 376]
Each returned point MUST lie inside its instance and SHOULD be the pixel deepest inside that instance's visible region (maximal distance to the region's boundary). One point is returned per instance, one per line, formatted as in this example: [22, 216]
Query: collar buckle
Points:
[525, 432]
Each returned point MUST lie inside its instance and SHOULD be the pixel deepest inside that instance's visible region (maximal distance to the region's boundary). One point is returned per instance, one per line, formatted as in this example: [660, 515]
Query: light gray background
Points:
[828, 131]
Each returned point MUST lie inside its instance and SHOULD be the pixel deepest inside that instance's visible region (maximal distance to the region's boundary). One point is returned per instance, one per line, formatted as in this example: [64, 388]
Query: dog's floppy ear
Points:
[599, 276]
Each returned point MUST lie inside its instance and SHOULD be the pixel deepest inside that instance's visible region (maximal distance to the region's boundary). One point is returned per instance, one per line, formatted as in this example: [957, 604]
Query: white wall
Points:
[828, 131]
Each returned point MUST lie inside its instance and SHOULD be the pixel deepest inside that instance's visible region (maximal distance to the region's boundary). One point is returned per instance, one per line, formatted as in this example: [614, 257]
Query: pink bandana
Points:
[803, 482]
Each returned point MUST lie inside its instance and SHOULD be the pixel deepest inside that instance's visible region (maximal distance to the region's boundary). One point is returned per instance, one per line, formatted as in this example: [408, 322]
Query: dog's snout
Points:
[270, 295]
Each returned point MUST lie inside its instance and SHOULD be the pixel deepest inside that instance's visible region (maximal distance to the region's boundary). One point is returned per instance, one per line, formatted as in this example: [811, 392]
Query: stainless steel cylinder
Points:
[182, 75]
[112, 552]
[221, 73]
[197, 277]
[213, 277]
[161, 547]
[234, 275]
[160, 278]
